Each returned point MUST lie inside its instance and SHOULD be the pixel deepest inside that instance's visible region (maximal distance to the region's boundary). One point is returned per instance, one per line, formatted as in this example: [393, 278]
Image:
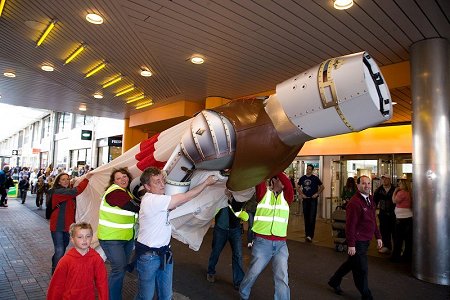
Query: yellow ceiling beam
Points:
[397, 75]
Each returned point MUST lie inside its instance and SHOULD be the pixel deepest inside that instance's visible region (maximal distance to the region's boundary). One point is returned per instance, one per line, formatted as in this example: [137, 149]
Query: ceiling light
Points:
[124, 91]
[145, 104]
[146, 73]
[135, 98]
[111, 82]
[46, 32]
[98, 96]
[394, 103]
[198, 60]
[75, 53]
[9, 74]
[47, 68]
[343, 4]
[82, 107]
[94, 19]
[2, 4]
[95, 70]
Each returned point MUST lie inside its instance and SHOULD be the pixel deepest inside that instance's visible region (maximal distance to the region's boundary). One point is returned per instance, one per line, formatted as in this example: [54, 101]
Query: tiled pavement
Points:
[26, 249]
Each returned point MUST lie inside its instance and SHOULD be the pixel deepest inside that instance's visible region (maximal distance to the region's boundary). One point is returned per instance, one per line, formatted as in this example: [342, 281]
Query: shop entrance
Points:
[398, 166]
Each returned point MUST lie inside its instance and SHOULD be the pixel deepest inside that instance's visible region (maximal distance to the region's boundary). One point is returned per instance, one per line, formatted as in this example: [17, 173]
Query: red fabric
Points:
[77, 277]
[147, 147]
[118, 198]
[67, 195]
[145, 157]
[360, 223]
[288, 191]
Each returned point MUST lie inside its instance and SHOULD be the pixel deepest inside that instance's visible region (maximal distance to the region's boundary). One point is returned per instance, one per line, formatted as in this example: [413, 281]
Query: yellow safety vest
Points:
[115, 223]
[272, 215]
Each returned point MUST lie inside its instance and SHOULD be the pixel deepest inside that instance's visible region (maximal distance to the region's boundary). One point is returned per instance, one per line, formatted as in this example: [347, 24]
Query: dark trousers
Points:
[39, 199]
[220, 238]
[359, 267]
[309, 213]
[23, 195]
[403, 233]
[387, 228]
[3, 193]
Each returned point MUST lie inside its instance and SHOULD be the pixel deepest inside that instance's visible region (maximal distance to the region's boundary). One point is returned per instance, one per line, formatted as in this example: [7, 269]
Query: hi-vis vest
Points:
[272, 215]
[115, 223]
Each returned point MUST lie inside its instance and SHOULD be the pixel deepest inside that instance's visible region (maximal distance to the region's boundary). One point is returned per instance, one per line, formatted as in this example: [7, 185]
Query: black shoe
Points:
[337, 288]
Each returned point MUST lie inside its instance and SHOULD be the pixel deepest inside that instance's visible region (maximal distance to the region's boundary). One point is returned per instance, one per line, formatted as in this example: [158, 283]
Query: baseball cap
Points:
[386, 176]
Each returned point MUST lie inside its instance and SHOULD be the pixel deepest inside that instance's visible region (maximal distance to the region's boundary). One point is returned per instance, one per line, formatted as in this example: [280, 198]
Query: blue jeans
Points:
[263, 251]
[309, 213]
[250, 234]
[220, 238]
[60, 243]
[118, 254]
[150, 275]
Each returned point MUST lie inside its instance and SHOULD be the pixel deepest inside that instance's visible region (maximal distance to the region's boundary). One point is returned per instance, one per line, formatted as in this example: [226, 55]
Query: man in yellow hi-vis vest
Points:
[270, 227]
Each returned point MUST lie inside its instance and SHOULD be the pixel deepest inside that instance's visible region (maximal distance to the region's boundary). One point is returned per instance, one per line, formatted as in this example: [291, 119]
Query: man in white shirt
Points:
[154, 256]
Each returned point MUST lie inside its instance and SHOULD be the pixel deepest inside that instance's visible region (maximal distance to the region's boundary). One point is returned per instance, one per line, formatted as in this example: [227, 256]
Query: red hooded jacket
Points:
[78, 276]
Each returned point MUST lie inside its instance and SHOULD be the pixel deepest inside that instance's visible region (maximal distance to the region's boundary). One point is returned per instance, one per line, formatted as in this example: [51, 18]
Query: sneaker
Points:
[384, 250]
[308, 239]
[211, 278]
[250, 245]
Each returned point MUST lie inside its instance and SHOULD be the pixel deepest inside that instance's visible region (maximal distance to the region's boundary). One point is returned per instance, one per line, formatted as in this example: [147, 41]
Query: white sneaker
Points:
[384, 250]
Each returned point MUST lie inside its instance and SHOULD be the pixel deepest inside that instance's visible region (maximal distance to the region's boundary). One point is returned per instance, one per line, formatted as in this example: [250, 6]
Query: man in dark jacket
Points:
[383, 199]
[4, 174]
[360, 227]
[227, 228]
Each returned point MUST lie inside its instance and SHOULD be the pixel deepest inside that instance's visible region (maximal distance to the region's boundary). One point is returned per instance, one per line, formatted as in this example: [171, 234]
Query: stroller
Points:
[338, 229]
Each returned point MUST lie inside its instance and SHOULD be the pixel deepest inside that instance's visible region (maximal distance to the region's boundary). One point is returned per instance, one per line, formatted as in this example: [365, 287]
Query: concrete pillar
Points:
[430, 82]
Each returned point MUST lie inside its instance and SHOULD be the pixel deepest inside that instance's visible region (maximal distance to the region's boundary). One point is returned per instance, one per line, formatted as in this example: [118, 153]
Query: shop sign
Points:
[86, 135]
[15, 152]
[115, 141]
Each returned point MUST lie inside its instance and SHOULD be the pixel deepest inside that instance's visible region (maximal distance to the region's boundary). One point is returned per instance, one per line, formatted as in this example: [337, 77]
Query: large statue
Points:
[253, 139]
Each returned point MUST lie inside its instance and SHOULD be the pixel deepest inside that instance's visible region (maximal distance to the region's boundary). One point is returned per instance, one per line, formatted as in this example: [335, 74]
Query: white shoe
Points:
[384, 250]
[250, 245]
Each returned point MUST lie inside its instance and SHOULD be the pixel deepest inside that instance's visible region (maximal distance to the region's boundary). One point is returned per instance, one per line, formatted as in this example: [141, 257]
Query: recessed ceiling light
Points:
[9, 74]
[47, 68]
[94, 19]
[343, 4]
[198, 60]
[98, 96]
[146, 73]
[82, 107]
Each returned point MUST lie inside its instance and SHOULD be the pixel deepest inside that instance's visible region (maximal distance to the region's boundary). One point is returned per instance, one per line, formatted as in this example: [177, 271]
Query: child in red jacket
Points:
[81, 271]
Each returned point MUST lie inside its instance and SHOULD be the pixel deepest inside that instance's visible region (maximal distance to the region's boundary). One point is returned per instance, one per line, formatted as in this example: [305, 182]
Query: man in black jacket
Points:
[386, 216]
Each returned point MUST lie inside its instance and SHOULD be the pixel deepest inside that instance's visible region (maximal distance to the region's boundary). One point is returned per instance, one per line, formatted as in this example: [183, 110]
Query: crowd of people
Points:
[267, 216]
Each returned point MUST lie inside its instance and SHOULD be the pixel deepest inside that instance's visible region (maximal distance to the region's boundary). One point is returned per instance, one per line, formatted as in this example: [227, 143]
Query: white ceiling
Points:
[14, 118]
[249, 46]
